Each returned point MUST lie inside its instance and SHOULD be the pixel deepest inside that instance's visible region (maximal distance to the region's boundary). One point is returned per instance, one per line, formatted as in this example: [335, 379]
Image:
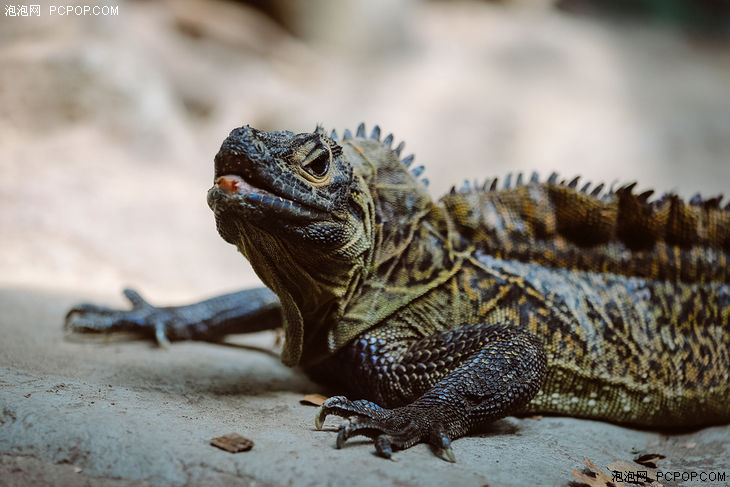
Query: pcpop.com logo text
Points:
[61, 10]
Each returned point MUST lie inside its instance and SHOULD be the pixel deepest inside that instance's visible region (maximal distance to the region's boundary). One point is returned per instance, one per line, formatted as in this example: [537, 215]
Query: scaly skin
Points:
[538, 297]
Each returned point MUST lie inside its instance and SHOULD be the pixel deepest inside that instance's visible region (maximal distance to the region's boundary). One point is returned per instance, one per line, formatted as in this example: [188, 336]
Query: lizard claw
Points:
[320, 417]
[161, 336]
[343, 434]
[383, 446]
[390, 429]
[447, 454]
[442, 443]
[333, 405]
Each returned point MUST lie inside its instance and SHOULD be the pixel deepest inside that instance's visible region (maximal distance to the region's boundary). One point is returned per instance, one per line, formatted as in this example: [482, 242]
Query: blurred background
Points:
[109, 123]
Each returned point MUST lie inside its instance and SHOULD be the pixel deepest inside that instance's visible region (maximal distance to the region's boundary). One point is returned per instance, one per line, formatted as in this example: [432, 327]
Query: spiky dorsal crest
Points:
[561, 223]
[387, 141]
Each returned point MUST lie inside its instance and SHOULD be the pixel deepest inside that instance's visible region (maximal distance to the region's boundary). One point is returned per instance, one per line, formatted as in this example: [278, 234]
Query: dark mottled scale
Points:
[409, 378]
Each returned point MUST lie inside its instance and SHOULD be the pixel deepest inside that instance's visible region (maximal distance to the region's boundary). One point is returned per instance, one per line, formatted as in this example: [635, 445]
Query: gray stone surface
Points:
[111, 412]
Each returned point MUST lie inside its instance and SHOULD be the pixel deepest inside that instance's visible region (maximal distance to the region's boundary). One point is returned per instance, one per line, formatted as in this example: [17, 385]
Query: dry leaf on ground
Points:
[593, 476]
[313, 400]
[232, 442]
[649, 459]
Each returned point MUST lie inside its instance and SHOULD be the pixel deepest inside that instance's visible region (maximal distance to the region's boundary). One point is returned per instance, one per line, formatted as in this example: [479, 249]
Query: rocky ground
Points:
[107, 130]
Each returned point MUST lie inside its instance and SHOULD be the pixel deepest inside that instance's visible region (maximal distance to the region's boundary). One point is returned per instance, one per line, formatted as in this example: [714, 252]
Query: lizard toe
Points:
[136, 299]
[345, 408]
[357, 426]
[161, 335]
[383, 446]
[390, 429]
[441, 442]
[144, 320]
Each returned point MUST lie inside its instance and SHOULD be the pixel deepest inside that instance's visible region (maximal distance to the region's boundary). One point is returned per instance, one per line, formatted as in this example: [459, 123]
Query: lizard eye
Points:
[318, 165]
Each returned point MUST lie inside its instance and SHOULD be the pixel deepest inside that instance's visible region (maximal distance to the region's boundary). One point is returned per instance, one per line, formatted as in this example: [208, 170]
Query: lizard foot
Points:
[393, 429]
[143, 319]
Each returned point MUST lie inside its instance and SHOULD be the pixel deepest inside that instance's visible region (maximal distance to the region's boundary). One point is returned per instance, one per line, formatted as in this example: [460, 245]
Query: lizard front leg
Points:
[245, 311]
[444, 385]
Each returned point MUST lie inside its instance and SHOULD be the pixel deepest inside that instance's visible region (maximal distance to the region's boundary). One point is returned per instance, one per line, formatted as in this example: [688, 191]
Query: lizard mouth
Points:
[232, 184]
[234, 190]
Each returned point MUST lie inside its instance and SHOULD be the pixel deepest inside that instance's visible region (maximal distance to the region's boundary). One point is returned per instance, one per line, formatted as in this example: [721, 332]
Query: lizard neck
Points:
[424, 260]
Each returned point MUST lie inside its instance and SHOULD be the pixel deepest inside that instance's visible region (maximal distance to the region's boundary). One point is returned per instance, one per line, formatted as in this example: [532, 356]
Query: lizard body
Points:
[536, 297]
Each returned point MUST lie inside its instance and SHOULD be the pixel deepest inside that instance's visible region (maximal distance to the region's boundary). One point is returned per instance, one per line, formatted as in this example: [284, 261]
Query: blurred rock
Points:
[359, 28]
[121, 116]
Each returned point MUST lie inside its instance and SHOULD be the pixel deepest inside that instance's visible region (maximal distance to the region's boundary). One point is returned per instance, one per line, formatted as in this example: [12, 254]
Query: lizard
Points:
[440, 317]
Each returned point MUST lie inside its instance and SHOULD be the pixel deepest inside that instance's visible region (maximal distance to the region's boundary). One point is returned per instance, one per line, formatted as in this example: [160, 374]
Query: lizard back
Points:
[630, 297]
